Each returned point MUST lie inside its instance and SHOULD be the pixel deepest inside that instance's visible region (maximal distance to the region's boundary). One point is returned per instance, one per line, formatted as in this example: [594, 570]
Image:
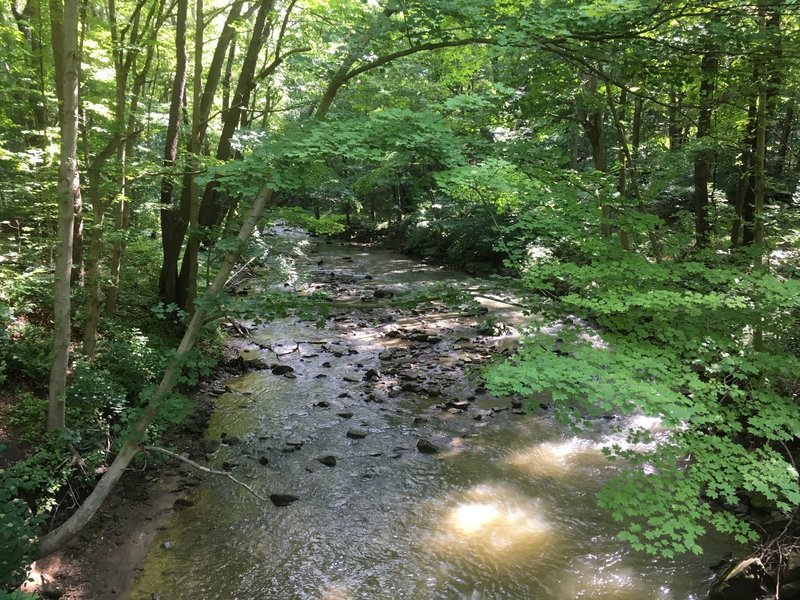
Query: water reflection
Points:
[494, 522]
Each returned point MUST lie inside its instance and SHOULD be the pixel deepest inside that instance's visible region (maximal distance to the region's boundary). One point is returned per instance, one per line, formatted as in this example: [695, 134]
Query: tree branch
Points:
[203, 469]
[413, 50]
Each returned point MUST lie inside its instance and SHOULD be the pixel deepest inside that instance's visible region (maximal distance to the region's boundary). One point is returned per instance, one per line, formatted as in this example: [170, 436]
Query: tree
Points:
[68, 194]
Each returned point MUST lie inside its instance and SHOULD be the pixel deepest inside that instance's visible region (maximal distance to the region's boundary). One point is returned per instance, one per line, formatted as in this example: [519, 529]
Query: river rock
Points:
[371, 375]
[427, 447]
[345, 414]
[382, 293]
[211, 446]
[257, 363]
[791, 568]
[356, 434]
[283, 499]
[181, 503]
[51, 589]
[329, 460]
[281, 369]
[459, 404]
[740, 582]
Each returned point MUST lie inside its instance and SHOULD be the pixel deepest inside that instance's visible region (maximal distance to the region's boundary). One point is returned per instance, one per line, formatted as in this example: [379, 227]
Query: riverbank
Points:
[103, 560]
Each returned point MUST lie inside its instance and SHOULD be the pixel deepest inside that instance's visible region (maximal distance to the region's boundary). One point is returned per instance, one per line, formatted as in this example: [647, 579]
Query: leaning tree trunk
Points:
[68, 192]
[57, 538]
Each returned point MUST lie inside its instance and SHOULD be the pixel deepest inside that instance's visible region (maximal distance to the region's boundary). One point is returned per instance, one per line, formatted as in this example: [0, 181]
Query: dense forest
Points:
[628, 164]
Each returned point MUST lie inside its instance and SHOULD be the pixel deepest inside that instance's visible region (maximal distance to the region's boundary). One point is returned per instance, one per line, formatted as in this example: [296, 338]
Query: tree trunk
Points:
[740, 230]
[211, 207]
[173, 222]
[783, 146]
[95, 248]
[179, 291]
[122, 208]
[594, 129]
[68, 192]
[702, 159]
[194, 150]
[674, 130]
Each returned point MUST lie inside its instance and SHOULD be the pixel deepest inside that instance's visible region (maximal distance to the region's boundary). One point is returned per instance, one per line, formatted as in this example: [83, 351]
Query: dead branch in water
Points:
[203, 469]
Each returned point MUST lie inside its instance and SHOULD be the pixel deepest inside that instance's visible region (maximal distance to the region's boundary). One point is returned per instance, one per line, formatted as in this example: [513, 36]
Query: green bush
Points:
[18, 528]
[28, 352]
[676, 340]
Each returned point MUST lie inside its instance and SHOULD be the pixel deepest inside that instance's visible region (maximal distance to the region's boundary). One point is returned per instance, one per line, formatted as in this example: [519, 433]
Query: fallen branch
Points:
[242, 330]
[200, 467]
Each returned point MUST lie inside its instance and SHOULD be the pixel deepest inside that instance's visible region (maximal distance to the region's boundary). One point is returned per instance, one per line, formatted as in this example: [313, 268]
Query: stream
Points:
[493, 503]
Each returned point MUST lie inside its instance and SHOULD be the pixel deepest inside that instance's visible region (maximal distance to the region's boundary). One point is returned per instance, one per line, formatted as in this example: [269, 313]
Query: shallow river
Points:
[504, 510]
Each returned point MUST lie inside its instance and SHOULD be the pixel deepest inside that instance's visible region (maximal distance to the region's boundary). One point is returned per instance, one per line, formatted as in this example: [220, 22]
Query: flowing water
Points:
[505, 509]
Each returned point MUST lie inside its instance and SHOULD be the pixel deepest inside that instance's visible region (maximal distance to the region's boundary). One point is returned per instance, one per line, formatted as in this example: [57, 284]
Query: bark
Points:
[703, 157]
[759, 171]
[594, 129]
[173, 221]
[226, 41]
[636, 128]
[226, 81]
[57, 37]
[170, 287]
[633, 178]
[83, 515]
[25, 20]
[194, 151]
[68, 192]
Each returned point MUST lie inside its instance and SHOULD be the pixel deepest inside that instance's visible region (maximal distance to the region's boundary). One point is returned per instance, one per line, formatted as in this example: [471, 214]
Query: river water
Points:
[504, 510]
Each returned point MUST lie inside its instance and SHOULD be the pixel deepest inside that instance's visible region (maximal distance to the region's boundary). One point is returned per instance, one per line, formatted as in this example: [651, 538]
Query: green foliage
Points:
[673, 344]
[17, 533]
[27, 416]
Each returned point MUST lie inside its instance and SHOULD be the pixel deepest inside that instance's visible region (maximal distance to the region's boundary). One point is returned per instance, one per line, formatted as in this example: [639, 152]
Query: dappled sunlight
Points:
[558, 459]
[493, 523]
